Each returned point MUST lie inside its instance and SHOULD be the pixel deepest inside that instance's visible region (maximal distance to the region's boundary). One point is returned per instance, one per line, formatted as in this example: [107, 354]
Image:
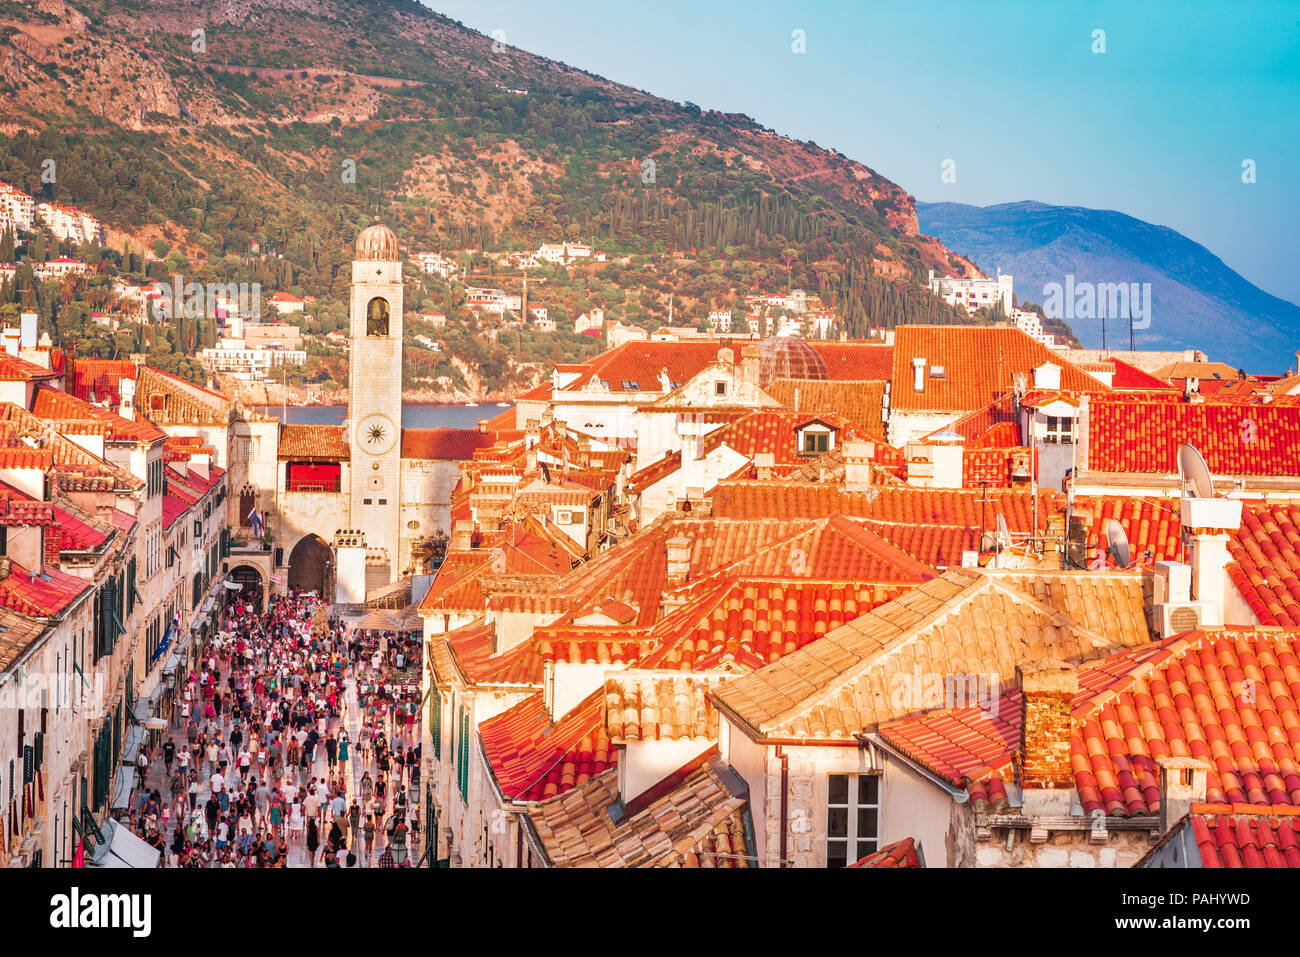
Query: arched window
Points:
[377, 317]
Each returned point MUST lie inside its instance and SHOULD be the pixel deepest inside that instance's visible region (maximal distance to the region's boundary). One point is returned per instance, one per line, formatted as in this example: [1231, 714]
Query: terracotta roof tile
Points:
[700, 822]
[899, 854]
[448, 444]
[979, 362]
[1224, 696]
[1235, 836]
[313, 443]
[1143, 436]
[864, 672]
[533, 758]
[660, 706]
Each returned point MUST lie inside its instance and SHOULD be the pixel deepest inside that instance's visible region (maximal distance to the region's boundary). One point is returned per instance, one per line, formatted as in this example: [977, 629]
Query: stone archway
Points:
[252, 587]
[310, 565]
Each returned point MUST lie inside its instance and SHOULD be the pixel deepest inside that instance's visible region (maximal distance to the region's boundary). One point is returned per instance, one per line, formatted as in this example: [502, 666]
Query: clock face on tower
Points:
[375, 434]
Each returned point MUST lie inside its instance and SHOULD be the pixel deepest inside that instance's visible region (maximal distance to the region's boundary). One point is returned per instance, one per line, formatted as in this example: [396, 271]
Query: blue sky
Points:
[1157, 126]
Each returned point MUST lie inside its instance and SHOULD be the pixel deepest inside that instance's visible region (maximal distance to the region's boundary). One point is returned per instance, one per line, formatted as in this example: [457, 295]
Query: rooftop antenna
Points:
[1193, 473]
[1117, 543]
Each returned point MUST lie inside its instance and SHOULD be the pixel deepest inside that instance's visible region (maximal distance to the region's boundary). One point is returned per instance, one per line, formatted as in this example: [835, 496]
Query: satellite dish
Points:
[1193, 472]
[1117, 543]
[1004, 535]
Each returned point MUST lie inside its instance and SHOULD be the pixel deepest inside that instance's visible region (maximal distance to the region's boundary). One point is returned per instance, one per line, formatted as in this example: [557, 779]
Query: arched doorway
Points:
[310, 565]
[250, 581]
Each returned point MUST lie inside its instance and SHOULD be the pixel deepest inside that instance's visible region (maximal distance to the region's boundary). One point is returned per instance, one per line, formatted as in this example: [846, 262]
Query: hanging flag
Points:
[79, 854]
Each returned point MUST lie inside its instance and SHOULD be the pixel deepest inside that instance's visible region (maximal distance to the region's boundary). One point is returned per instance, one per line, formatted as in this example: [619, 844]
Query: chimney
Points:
[462, 534]
[1047, 690]
[1182, 784]
[857, 464]
[918, 374]
[483, 426]
[530, 460]
[751, 359]
[764, 462]
[1211, 522]
[679, 561]
[532, 434]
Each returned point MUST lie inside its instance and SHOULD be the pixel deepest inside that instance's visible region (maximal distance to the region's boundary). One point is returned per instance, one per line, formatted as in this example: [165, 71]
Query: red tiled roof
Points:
[1224, 696]
[318, 443]
[449, 444]
[641, 362]
[886, 504]
[1266, 562]
[1151, 524]
[533, 758]
[41, 595]
[855, 360]
[473, 649]
[1244, 835]
[1131, 377]
[172, 508]
[56, 405]
[14, 369]
[750, 624]
[22, 457]
[899, 854]
[72, 534]
[1143, 436]
[980, 363]
[100, 377]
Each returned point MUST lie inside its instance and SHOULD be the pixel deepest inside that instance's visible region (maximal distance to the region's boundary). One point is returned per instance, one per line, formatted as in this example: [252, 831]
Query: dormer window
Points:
[816, 443]
[815, 437]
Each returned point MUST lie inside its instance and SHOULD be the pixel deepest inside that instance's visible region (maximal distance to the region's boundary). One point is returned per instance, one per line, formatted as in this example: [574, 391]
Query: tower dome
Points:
[377, 244]
[785, 357]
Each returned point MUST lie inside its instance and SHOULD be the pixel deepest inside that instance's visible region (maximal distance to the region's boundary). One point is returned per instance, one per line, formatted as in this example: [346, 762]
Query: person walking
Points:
[313, 842]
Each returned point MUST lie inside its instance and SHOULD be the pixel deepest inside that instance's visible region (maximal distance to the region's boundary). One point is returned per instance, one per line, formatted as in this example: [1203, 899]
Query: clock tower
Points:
[374, 429]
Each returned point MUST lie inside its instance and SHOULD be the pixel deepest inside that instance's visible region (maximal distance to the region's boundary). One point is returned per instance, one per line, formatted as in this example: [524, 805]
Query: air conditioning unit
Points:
[1176, 617]
[1173, 582]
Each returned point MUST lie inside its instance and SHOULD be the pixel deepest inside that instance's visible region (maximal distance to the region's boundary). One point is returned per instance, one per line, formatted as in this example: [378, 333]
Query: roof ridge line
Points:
[1058, 617]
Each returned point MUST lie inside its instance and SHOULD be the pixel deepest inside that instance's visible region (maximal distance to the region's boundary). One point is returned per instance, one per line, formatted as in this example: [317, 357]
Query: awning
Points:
[132, 748]
[170, 667]
[123, 849]
[122, 789]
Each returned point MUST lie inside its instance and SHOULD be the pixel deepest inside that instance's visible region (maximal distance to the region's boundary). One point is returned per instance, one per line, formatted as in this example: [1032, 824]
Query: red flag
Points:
[79, 854]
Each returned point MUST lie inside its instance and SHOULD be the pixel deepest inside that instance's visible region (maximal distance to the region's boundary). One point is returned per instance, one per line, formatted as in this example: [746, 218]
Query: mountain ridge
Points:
[1198, 300]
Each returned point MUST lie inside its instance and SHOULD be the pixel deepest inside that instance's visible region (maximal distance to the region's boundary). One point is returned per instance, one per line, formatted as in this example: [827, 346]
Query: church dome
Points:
[377, 244]
[785, 357]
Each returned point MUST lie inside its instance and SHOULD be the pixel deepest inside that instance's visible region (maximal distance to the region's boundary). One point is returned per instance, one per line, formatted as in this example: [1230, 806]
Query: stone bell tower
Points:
[374, 430]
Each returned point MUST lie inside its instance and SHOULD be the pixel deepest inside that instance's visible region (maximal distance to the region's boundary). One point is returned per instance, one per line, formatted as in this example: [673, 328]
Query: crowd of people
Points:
[260, 759]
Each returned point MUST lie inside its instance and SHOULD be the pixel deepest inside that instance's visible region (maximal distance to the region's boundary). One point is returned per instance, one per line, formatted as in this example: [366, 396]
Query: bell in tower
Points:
[377, 317]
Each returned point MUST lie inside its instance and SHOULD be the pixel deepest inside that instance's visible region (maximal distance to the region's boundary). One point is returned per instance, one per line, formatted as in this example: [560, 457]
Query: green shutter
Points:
[437, 724]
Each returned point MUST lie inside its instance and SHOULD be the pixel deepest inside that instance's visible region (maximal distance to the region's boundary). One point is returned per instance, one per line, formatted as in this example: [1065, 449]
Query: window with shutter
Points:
[436, 723]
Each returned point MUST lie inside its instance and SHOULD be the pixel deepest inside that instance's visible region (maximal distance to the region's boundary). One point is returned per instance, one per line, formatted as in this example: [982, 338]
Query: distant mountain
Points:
[1196, 300]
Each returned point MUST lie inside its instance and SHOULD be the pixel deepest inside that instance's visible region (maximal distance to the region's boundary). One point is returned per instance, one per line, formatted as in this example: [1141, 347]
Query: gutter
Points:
[958, 795]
